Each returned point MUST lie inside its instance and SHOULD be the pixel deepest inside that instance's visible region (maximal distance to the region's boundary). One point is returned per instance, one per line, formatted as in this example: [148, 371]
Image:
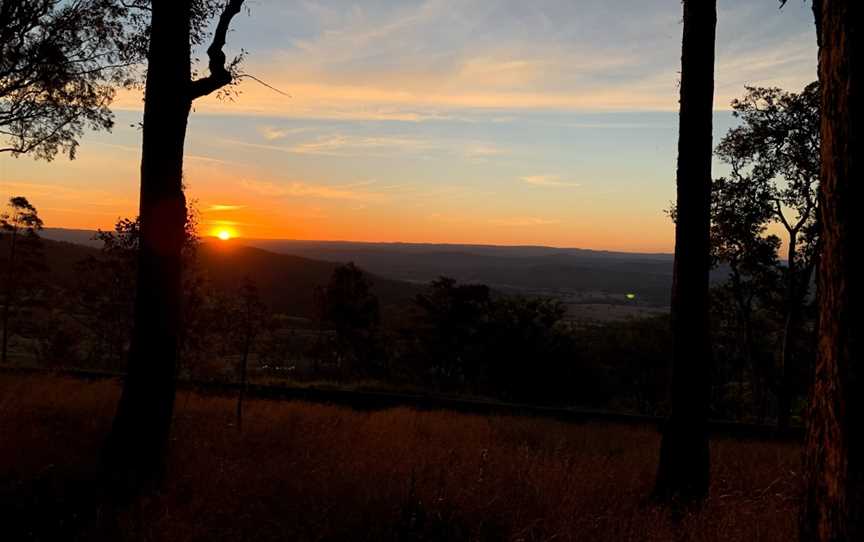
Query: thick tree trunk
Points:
[833, 507]
[136, 445]
[683, 470]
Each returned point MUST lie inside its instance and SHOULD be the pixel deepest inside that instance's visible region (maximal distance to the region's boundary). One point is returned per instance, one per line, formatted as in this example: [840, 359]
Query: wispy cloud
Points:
[524, 221]
[272, 133]
[91, 197]
[217, 207]
[343, 145]
[547, 181]
[303, 189]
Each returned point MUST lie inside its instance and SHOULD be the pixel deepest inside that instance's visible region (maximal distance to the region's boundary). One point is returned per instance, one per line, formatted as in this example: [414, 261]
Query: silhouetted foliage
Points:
[59, 65]
[511, 347]
[21, 261]
[249, 318]
[774, 156]
[740, 211]
[348, 306]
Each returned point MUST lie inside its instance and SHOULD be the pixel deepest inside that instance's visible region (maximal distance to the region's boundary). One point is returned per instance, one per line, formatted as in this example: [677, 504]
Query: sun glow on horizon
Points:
[223, 234]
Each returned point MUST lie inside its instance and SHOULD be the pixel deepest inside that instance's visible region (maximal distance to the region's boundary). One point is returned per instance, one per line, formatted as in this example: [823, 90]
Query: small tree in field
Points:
[249, 320]
[348, 305]
[21, 258]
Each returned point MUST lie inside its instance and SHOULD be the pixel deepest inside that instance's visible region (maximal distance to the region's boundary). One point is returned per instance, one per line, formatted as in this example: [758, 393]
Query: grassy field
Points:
[303, 471]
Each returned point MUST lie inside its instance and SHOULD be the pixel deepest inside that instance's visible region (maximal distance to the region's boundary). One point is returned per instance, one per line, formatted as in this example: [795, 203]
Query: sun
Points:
[224, 235]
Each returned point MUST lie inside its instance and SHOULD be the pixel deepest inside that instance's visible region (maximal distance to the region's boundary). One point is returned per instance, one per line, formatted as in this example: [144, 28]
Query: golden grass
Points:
[303, 471]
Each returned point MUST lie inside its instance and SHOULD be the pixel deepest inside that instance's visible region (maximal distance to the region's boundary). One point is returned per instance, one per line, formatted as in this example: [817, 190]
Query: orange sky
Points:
[438, 121]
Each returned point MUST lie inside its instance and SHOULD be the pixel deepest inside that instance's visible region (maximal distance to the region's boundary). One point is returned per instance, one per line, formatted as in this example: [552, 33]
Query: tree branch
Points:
[219, 74]
[781, 216]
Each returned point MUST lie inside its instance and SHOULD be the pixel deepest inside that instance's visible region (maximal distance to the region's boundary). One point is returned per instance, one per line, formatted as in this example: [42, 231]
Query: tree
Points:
[22, 257]
[453, 332]
[833, 507]
[683, 470]
[739, 213]
[59, 65]
[776, 149]
[106, 291]
[251, 315]
[349, 306]
[135, 449]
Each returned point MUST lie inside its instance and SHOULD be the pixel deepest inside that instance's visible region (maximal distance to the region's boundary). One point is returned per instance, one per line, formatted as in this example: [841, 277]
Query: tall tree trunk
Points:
[784, 391]
[135, 447]
[833, 507]
[683, 470]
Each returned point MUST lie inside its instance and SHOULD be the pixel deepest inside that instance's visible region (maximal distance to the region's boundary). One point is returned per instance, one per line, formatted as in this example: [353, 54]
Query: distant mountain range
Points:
[578, 275]
[285, 282]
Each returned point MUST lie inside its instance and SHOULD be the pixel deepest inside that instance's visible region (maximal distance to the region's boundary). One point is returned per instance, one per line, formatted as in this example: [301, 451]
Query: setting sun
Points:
[224, 235]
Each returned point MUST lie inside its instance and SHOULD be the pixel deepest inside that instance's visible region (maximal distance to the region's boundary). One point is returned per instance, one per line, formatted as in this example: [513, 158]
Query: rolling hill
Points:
[285, 282]
[575, 275]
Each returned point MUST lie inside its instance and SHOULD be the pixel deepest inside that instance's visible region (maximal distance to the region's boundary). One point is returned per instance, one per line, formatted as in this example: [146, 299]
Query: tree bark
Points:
[833, 508]
[136, 444]
[683, 471]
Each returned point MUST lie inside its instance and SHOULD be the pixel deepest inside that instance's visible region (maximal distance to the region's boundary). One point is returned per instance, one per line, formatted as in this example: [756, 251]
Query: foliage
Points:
[774, 160]
[106, 290]
[348, 306]
[512, 347]
[59, 65]
[776, 150]
[21, 263]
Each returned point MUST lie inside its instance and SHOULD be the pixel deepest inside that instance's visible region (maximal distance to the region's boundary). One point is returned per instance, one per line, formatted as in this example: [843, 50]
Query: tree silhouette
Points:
[683, 470]
[250, 317]
[135, 448]
[21, 259]
[776, 150]
[739, 214]
[349, 306]
[833, 507]
[59, 65]
[106, 291]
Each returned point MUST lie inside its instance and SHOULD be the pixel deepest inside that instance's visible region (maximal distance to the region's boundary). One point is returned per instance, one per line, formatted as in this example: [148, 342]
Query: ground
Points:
[302, 471]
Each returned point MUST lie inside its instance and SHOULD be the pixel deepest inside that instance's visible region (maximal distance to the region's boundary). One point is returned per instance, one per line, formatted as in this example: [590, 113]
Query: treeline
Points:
[452, 338]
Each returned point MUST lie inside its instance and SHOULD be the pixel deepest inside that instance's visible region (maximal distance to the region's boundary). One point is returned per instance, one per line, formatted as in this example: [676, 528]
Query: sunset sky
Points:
[482, 121]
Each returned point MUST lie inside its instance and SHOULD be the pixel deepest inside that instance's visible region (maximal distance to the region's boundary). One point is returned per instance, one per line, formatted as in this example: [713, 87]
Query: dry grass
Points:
[310, 472]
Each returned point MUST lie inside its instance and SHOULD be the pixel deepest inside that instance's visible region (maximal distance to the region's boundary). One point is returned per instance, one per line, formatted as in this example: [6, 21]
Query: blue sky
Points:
[544, 122]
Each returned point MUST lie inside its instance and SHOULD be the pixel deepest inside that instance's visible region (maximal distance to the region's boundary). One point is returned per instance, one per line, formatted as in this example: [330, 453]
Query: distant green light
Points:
[631, 296]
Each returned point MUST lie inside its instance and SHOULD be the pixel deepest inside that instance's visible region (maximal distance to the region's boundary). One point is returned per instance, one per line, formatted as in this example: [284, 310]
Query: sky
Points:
[545, 122]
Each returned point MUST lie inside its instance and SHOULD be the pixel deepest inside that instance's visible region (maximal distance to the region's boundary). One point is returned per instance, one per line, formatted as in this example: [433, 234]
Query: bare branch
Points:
[219, 74]
[264, 83]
